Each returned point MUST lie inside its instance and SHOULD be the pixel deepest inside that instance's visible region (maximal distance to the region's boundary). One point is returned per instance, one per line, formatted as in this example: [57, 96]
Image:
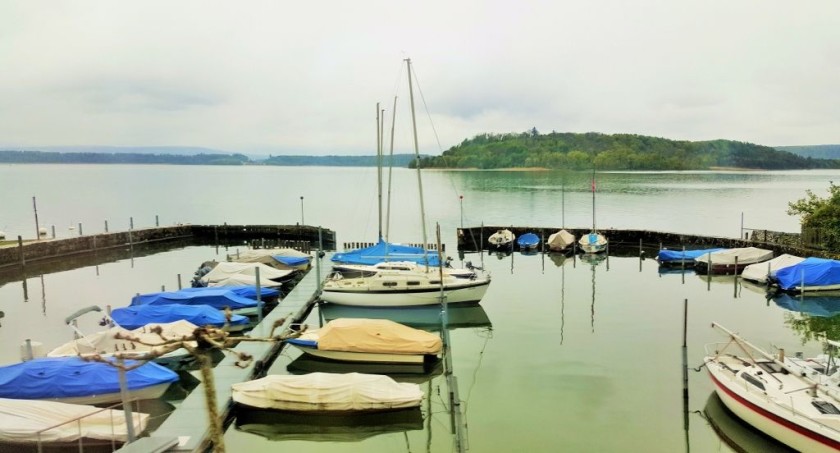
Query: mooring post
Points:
[80, 229]
[163, 288]
[37, 228]
[53, 231]
[157, 221]
[685, 350]
[106, 226]
[735, 289]
[318, 260]
[259, 295]
[20, 248]
[131, 223]
[179, 282]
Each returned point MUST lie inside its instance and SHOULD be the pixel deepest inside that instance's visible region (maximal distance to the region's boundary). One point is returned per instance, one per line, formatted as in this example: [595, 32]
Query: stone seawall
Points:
[32, 251]
[297, 236]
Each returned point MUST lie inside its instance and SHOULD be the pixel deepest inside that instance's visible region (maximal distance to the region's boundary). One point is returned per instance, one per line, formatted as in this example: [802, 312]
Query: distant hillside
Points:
[815, 151]
[179, 150]
[400, 160]
[41, 157]
[614, 152]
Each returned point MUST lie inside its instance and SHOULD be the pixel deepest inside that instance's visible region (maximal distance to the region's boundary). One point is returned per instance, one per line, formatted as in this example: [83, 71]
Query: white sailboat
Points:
[788, 399]
[594, 242]
[562, 241]
[397, 285]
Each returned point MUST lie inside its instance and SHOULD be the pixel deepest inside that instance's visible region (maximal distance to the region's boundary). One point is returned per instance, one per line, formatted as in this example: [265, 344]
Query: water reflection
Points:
[283, 426]
[737, 434]
[822, 305]
[426, 318]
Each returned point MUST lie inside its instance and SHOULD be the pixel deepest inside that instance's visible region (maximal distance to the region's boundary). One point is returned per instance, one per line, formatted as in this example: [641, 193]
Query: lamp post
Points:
[301, 210]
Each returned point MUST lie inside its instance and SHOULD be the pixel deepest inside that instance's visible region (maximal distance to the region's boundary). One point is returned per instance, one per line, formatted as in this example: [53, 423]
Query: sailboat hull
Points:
[364, 296]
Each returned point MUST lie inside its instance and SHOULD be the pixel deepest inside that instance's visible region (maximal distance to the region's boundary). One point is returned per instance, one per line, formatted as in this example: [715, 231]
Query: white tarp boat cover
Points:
[104, 342]
[20, 421]
[745, 255]
[374, 335]
[501, 237]
[225, 274]
[560, 240]
[327, 392]
[758, 272]
[278, 258]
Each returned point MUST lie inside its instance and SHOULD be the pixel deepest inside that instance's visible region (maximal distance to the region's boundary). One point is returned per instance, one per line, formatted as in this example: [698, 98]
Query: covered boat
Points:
[388, 251]
[782, 397]
[594, 242]
[528, 242]
[53, 424]
[810, 274]
[106, 343]
[501, 239]
[238, 274]
[369, 340]
[137, 316]
[218, 298]
[730, 261]
[282, 258]
[667, 257]
[759, 272]
[73, 380]
[327, 393]
[561, 241]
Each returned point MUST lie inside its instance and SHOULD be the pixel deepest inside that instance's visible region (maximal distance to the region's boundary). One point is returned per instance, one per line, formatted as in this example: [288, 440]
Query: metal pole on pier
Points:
[461, 198]
[129, 419]
[301, 211]
[37, 228]
[259, 295]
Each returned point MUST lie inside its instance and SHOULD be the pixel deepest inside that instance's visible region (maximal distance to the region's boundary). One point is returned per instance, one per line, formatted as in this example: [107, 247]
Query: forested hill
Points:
[614, 152]
[815, 151]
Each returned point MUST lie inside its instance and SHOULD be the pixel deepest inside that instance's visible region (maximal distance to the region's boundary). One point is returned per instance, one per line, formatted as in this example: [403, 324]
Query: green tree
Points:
[821, 213]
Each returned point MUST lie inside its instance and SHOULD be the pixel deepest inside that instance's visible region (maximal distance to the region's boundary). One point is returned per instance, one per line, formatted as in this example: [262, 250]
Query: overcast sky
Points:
[303, 77]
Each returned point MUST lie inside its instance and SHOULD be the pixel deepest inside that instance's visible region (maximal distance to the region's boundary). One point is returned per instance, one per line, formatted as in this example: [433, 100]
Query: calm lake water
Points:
[576, 356]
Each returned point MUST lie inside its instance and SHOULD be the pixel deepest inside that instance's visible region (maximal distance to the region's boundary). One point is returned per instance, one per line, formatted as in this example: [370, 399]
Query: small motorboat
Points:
[78, 381]
[759, 272]
[238, 274]
[216, 297]
[682, 258]
[528, 242]
[730, 261]
[137, 316]
[58, 426]
[369, 340]
[810, 274]
[594, 242]
[561, 241]
[501, 239]
[327, 393]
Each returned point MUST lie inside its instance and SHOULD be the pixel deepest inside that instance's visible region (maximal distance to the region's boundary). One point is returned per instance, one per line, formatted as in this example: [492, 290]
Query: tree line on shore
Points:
[582, 151]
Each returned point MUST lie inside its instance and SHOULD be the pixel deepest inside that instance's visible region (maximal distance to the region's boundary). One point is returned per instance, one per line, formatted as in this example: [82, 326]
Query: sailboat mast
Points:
[390, 170]
[417, 163]
[593, 199]
[379, 169]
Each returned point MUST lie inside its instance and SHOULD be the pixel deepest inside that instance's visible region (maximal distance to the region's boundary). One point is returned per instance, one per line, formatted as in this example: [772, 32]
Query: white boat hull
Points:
[764, 413]
[146, 393]
[362, 297]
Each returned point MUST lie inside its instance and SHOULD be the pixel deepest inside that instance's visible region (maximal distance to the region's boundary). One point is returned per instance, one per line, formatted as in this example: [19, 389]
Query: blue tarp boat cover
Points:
[817, 272]
[666, 255]
[292, 261]
[822, 306]
[201, 315]
[384, 251]
[528, 240]
[249, 291]
[216, 297]
[67, 377]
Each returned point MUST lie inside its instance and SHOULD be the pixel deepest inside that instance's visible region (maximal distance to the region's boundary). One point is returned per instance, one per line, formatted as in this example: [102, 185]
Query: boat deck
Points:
[188, 423]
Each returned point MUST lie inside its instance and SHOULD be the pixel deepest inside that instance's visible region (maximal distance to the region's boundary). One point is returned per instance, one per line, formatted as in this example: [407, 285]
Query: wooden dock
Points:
[189, 422]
